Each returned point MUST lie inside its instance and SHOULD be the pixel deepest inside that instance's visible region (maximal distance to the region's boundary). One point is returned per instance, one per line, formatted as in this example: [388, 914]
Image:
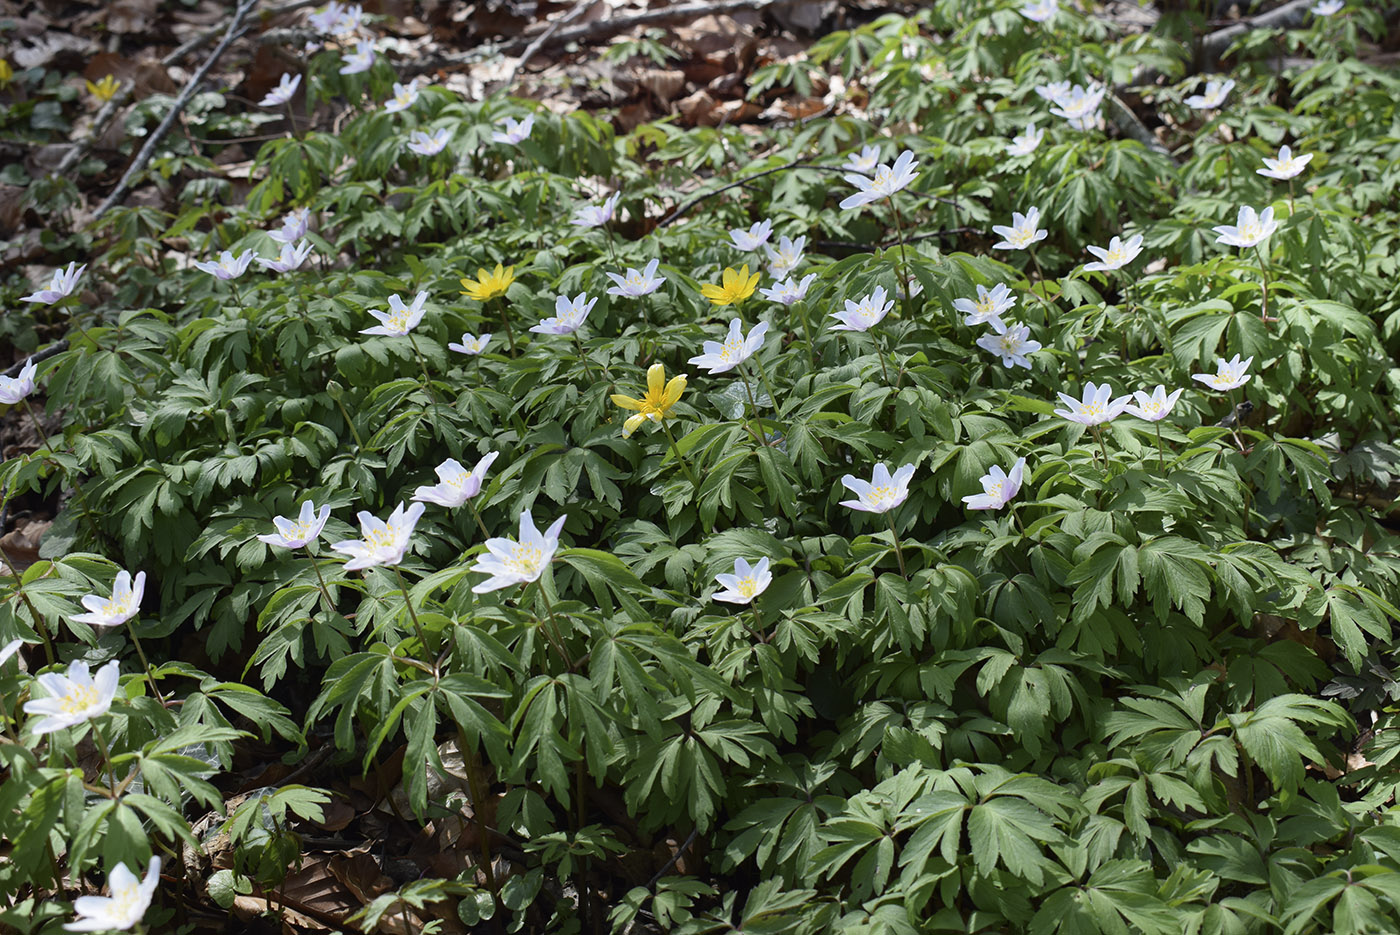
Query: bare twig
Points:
[99, 124]
[543, 37]
[1127, 121]
[235, 29]
[197, 40]
[58, 347]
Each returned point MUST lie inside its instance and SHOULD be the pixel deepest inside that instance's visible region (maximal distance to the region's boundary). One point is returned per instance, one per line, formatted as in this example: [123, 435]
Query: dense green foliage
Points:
[1153, 694]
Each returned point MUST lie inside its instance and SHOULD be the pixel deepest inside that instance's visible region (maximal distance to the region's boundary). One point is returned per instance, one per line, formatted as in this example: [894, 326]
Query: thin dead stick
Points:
[99, 124]
[543, 37]
[197, 40]
[235, 29]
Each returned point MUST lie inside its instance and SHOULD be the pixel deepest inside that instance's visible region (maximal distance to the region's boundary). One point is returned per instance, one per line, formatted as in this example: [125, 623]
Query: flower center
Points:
[526, 559]
[398, 322]
[733, 348]
[1093, 409]
[1116, 256]
[880, 496]
[79, 699]
[994, 489]
[748, 587]
[1021, 236]
[380, 539]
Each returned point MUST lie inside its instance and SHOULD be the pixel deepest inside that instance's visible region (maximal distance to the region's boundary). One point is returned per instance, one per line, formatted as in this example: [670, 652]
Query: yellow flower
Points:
[104, 90]
[6, 73]
[737, 287]
[489, 285]
[661, 397]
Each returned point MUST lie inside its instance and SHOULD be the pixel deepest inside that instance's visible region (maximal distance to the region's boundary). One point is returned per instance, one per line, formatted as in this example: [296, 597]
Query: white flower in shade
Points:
[596, 215]
[117, 609]
[360, 60]
[1097, 407]
[290, 258]
[1119, 254]
[294, 225]
[404, 97]
[1026, 143]
[1080, 105]
[865, 314]
[753, 238]
[569, 315]
[283, 92]
[1054, 92]
[515, 132]
[429, 145]
[456, 485]
[400, 319]
[790, 291]
[382, 542]
[13, 389]
[1022, 232]
[227, 266]
[1012, 343]
[1327, 7]
[1215, 94]
[1040, 10]
[882, 493]
[998, 487]
[60, 286]
[1155, 407]
[1228, 374]
[988, 306]
[1249, 228]
[124, 909]
[1286, 166]
[637, 283]
[297, 533]
[910, 288]
[520, 561]
[884, 183]
[864, 161]
[470, 344]
[736, 348]
[9, 649]
[326, 19]
[784, 259]
[73, 698]
[746, 583]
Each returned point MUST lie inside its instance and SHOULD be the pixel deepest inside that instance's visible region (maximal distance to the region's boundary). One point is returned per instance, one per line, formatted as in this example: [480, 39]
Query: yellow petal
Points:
[674, 389]
[632, 423]
[656, 379]
[713, 293]
[626, 402]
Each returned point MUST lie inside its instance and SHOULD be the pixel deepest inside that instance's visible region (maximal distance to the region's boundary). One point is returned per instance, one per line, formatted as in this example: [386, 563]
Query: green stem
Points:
[685, 466]
[325, 592]
[1264, 275]
[1161, 458]
[105, 750]
[763, 375]
[423, 365]
[755, 425]
[350, 422]
[505, 320]
[413, 614]
[903, 256]
[578, 343]
[1098, 434]
[554, 625]
[479, 524]
[898, 552]
[807, 330]
[757, 620]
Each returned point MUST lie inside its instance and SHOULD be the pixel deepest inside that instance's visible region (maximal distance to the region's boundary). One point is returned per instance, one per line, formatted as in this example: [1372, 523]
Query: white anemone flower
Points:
[382, 542]
[515, 132]
[120, 607]
[1215, 93]
[723, 357]
[753, 238]
[988, 307]
[864, 161]
[124, 909]
[1026, 143]
[13, 389]
[294, 225]
[360, 60]
[297, 533]
[1250, 228]
[1022, 233]
[283, 92]
[1040, 10]
[789, 291]
[519, 561]
[404, 97]
[882, 493]
[1117, 255]
[471, 344]
[1286, 166]
[747, 582]
[596, 215]
[60, 286]
[456, 485]
[569, 315]
[1011, 342]
[784, 258]
[637, 283]
[73, 698]
[1153, 407]
[425, 144]
[865, 314]
[1327, 7]
[1080, 105]
[886, 181]
[1095, 408]
[227, 266]
[400, 319]
[1228, 374]
[998, 487]
[289, 259]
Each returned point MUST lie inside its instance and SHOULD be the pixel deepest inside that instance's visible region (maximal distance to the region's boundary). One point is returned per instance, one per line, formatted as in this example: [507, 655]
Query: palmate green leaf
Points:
[1010, 831]
[1120, 898]
[1272, 736]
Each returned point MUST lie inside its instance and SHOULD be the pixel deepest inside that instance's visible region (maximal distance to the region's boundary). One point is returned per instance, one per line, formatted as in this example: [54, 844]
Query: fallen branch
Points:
[1125, 120]
[1285, 17]
[235, 29]
[99, 124]
[58, 347]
